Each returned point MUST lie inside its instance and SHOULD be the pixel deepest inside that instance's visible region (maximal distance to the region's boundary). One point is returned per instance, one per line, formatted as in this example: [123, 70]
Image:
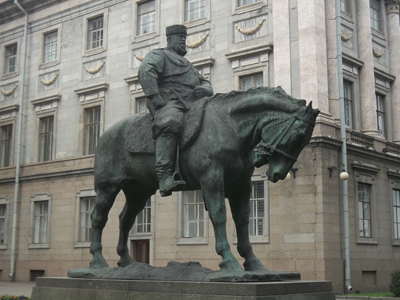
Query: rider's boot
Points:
[165, 156]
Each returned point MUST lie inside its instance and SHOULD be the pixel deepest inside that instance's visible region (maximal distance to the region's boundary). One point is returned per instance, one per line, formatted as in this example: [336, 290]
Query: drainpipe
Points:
[18, 150]
[344, 150]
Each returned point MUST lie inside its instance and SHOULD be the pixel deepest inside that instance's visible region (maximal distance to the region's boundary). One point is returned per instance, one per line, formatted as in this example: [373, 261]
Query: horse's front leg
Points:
[213, 191]
[239, 200]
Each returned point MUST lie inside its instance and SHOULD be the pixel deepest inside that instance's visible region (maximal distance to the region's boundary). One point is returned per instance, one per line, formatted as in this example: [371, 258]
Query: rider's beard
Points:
[181, 49]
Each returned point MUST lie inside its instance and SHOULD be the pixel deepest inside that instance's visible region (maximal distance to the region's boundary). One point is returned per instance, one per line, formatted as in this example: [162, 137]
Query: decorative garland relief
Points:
[251, 30]
[139, 57]
[8, 93]
[48, 82]
[346, 37]
[96, 70]
[378, 53]
[198, 43]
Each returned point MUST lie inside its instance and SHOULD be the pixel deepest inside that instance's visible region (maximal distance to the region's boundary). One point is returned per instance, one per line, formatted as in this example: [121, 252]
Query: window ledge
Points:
[395, 243]
[82, 245]
[39, 246]
[196, 22]
[346, 16]
[94, 51]
[367, 241]
[249, 7]
[3, 247]
[365, 167]
[192, 241]
[9, 75]
[378, 34]
[48, 64]
[144, 37]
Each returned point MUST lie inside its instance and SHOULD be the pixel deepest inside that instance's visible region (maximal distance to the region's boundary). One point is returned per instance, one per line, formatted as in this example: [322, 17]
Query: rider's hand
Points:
[157, 101]
[201, 92]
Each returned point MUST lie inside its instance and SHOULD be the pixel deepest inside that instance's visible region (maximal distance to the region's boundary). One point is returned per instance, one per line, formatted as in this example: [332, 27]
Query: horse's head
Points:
[282, 141]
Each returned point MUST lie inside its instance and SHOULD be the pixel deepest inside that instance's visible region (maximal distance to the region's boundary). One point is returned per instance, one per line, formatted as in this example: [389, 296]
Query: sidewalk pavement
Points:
[16, 288]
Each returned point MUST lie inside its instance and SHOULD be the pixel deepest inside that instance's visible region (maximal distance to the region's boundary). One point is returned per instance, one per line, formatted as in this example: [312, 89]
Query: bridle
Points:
[272, 146]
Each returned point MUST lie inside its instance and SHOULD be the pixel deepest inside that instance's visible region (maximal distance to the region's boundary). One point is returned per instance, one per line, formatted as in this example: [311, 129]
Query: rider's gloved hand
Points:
[201, 92]
[157, 101]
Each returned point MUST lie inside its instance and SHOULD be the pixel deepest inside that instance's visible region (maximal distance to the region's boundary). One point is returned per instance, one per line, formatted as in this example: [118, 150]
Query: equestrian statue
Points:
[215, 136]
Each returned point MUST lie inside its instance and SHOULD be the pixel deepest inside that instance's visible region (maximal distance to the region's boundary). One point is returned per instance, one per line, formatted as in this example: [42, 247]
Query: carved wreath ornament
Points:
[198, 43]
[96, 70]
[8, 93]
[48, 82]
[346, 37]
[250, 30]
[378, 53]
[139, 57]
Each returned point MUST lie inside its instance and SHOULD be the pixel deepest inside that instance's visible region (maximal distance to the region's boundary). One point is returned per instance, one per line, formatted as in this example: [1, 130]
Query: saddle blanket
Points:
[139, 137]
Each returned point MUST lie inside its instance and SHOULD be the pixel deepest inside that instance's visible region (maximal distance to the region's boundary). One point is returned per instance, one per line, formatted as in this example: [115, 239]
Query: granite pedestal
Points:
[105, 289]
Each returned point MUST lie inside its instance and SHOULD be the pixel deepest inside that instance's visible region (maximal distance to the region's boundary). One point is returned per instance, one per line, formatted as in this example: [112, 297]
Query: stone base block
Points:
[105, 289]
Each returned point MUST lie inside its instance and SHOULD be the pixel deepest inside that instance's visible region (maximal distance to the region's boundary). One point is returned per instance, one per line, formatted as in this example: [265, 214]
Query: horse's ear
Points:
[309, 109]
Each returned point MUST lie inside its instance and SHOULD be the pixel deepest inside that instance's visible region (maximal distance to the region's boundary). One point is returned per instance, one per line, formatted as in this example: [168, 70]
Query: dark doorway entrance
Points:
[141, 251]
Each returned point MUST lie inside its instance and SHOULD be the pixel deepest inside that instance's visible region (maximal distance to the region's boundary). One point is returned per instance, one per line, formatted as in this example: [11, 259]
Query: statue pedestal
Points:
[105, 289]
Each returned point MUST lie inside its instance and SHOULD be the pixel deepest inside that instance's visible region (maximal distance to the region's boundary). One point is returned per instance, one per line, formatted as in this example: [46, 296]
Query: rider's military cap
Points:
[176, 29]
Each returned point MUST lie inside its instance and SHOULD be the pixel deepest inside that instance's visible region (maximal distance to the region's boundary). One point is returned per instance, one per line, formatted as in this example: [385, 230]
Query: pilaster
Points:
[282, 61]
[367, 78]
[313, 54]
[394, 56]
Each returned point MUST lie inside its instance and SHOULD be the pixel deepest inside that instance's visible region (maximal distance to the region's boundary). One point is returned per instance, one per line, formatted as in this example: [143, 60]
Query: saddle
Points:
[139, 138]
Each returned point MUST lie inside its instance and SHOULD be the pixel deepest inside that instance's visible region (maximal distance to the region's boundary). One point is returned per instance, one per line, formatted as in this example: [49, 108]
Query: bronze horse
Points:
[220, 162]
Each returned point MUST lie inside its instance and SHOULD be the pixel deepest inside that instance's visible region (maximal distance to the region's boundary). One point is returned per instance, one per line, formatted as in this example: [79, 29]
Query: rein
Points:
[271, 147]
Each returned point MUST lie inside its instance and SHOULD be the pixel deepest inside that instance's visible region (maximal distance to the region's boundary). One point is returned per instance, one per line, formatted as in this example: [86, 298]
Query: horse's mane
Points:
[257, 99]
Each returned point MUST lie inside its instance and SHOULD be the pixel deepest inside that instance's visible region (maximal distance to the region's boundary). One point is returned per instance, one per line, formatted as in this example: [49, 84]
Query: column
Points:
[313, 54]
[394, 56]
[282, 63]
[367, 77]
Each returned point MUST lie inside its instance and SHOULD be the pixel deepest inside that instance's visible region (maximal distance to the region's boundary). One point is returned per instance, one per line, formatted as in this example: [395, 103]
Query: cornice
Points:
[92, 88]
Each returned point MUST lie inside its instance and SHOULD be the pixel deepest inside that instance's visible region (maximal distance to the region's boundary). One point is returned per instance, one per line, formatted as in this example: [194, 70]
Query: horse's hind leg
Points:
[213, 191]
[239, 200]
[136, 197]
[105, 197]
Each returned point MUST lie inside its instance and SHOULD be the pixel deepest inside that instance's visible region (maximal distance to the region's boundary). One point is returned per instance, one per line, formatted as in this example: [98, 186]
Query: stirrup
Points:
[170, 184]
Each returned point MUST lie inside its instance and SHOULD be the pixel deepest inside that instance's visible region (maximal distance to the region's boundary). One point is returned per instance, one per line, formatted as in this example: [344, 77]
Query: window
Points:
[256, 218]
[46, 138]
[396, 213]
[10, 59]
[50, 46]
[141, 105]
[364, 210]
[143, 220]
[95, 33]
[246, 2]
[6, 146]
[40, 229]
[193, 214]
[92, 129]
[86, 208]
[375, 14]
[380, 114]
[3, 211]
[345, 6]
[251, 81]
[195, 9]
[348, 91]
[146, 17]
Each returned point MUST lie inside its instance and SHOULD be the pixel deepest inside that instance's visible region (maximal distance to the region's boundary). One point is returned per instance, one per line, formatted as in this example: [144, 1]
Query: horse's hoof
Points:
[254, 265]
[98, 264]
[231, 265]
[125, 262]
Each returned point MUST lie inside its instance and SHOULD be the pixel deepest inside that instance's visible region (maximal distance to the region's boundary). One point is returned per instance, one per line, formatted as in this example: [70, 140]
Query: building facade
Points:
[80, 77]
